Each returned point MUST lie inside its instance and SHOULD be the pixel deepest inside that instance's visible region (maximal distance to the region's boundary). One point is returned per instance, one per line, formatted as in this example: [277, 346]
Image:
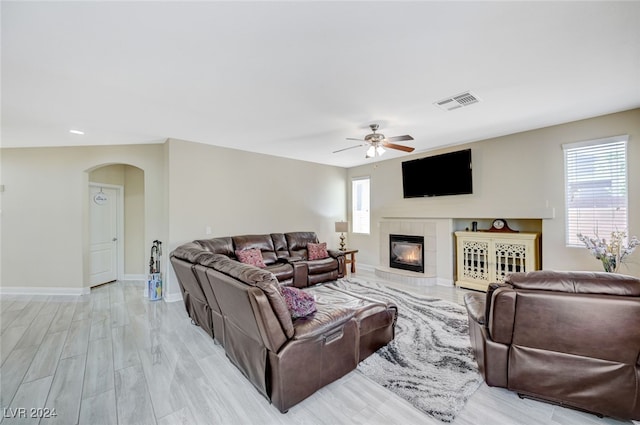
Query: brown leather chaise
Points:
[570, 338]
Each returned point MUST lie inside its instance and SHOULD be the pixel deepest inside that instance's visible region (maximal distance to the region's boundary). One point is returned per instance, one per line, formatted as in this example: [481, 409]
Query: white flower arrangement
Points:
[613, 253]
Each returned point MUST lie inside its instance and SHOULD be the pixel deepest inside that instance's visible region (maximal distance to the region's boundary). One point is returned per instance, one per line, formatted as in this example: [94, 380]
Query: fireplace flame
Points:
[410, 256]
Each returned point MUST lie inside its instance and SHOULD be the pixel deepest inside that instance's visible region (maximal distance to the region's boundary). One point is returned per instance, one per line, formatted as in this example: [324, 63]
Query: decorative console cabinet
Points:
[486, 257]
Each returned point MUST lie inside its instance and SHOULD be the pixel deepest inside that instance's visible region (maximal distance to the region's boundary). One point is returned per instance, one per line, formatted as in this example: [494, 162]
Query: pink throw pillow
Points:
[317, 251]
[300, 303]
[252, 257]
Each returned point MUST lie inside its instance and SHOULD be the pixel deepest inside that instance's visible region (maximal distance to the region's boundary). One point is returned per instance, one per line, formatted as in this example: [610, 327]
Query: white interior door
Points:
[103, 239]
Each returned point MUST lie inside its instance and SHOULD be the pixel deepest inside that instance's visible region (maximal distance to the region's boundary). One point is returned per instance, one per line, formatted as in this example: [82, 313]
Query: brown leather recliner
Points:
[570, 338]
[322, 270]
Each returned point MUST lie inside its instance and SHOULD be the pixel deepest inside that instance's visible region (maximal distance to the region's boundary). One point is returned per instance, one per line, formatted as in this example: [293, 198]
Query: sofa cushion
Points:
[190, 252]
[297, 242]
[317, 251]
[300, 303]
[280, 245]
[282, 271]
[262, 242]
[578, 282]
[252, 257]
[322, 266]
[222, 246]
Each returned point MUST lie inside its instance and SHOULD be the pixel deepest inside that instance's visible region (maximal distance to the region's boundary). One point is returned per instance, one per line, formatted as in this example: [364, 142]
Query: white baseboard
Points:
[135, 277]
[38, 290]
[444, 282]
[362, 266]
[172, 298]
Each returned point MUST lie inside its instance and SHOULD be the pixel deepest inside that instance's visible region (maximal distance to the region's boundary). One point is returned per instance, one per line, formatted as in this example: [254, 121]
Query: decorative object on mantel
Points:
[341, 227]
[613, 253]
[500, 225]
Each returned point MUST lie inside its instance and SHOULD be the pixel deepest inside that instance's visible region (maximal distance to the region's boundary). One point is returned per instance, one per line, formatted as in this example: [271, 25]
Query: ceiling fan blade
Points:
[399, 138]
[346, 149]
[352, 138]
[398, 147]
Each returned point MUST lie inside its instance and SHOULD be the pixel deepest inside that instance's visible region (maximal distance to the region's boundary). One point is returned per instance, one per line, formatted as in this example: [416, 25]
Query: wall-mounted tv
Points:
[439, 175]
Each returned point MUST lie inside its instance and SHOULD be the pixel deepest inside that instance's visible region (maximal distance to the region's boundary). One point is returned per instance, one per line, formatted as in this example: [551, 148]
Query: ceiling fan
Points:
[377, 142]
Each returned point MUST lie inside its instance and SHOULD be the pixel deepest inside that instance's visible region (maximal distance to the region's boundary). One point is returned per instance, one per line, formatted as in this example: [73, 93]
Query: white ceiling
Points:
[294, 79]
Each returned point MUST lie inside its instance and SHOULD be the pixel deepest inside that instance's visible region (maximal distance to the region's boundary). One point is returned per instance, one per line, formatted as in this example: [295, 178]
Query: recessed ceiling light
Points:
[76, 132]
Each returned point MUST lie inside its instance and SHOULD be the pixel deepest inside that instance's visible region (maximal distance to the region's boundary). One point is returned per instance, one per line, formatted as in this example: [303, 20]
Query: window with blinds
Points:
[596, 188]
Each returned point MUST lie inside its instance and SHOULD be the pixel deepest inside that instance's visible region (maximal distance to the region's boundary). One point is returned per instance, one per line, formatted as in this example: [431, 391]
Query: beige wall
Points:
[520, 176]
[235, 192]
[45, 209]
[189, 187]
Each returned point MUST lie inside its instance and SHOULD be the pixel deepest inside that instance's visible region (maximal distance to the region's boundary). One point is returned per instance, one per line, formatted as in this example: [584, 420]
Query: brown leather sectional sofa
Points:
[570, 338]
[285, 255]
[242, 307]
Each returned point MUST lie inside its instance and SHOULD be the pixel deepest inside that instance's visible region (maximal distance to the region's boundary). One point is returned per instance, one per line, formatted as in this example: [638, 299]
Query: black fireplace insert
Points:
[406, 252]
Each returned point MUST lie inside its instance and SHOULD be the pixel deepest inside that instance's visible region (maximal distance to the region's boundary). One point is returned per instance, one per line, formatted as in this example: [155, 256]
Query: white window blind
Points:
[596, 188]
[360, 205]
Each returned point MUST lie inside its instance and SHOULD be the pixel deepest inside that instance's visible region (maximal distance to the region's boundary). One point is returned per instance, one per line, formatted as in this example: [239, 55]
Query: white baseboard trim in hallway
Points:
[135, 277]
[39, 290]
[171, 298]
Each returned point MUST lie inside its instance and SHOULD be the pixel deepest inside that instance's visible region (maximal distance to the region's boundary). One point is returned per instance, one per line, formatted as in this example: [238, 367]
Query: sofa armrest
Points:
[501, 318]
[475, 304]
[339, 256]
[300, 274]
[273, 337]
[489, 296]
[335, 253]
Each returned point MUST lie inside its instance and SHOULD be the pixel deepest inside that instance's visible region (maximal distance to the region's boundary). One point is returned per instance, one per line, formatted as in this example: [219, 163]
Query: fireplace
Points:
[406, 252]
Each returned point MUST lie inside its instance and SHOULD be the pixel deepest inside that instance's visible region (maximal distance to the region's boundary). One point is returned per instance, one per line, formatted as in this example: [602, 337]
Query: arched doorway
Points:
[116, 223]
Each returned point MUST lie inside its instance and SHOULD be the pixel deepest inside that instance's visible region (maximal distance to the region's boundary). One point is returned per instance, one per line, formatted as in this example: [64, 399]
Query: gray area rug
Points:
[430, 362]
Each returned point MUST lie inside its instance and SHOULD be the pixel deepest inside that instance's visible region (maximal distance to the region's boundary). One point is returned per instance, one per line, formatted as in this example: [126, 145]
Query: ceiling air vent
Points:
[457, 101]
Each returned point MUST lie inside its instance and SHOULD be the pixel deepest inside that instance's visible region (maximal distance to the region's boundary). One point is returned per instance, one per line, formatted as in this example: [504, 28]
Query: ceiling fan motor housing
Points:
[374, 138]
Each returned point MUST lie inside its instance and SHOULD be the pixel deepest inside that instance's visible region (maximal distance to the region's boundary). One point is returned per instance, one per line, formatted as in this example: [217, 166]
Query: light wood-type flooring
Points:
[113, 357]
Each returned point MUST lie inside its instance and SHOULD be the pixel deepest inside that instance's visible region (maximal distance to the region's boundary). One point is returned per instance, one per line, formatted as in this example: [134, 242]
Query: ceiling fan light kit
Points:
[377, 142]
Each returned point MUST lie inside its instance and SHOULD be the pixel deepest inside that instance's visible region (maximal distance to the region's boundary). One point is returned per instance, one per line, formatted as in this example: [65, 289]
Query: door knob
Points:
[114, 239]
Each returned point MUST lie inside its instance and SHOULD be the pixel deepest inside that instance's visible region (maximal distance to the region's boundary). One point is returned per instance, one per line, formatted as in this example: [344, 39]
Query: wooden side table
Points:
[350, 258]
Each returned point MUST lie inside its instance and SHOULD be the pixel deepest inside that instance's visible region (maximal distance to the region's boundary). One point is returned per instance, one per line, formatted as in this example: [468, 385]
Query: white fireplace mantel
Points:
[438, 250]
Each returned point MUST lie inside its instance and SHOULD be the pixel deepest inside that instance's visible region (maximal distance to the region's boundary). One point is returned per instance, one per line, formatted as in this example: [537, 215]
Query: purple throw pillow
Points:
[317, 251]
[300, 303]
[251, 256]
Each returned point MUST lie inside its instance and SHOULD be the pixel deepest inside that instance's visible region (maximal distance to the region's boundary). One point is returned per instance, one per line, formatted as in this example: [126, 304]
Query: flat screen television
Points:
[439, 175]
